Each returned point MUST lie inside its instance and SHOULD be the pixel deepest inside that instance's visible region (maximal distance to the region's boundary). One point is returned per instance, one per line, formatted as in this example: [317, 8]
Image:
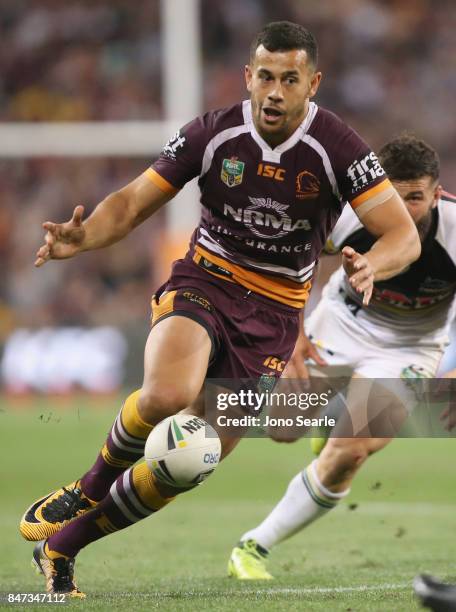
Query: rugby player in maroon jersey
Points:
[274, 172]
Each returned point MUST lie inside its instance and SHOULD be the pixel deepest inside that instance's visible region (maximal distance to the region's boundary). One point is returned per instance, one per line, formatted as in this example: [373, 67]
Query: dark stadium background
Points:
[72, 333]
[388, 66]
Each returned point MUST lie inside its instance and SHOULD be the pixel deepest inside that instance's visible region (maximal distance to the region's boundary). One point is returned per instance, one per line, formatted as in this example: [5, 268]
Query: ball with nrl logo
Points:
[182, 451]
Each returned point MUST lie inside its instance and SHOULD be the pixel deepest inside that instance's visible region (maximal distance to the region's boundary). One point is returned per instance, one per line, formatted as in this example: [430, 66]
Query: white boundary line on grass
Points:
[322, 590]
[275, 591]
[386, 507]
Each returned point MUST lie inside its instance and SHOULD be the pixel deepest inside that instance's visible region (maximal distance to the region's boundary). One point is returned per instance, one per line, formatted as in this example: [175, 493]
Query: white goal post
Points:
[84, 139]
[181, 55]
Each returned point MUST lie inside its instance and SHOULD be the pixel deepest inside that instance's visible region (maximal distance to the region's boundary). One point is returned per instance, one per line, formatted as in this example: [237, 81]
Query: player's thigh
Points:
[395, 374]
[402, 361]
[336, 333]
[374, 408]
[175, 364]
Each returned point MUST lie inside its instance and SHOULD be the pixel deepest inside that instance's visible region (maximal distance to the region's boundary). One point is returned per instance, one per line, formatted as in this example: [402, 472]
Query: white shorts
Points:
[342, 341]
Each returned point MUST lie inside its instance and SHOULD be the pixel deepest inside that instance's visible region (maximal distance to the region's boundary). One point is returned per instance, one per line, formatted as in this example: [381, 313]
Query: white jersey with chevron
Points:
[415, 307]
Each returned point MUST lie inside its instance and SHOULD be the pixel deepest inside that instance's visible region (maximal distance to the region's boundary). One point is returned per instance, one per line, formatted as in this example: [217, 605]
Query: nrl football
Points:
[182, 450]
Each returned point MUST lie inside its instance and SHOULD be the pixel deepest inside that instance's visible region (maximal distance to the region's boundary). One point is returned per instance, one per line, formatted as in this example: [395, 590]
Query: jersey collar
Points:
[270, 154]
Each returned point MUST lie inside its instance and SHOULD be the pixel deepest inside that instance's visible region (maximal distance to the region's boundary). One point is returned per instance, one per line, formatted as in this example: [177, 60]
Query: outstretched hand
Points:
[304, 349]
[62, 240]
[359, 271]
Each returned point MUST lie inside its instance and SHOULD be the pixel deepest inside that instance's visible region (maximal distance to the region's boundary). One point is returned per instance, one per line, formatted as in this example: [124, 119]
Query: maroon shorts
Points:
[251, 335]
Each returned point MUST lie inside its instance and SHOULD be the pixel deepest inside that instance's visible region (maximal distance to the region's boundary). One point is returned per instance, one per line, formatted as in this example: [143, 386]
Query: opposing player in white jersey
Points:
[401, 334]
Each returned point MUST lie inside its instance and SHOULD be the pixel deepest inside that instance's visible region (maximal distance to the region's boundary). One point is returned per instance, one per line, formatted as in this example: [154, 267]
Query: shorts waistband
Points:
[349, 302]
[225, 275]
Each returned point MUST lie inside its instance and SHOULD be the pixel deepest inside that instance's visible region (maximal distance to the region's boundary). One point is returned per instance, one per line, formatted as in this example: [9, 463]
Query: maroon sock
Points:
[132, 497]
[123, 447]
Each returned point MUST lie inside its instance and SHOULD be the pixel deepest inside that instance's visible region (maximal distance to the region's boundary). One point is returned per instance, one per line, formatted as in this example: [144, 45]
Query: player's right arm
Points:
[119, 213]
[115, 217]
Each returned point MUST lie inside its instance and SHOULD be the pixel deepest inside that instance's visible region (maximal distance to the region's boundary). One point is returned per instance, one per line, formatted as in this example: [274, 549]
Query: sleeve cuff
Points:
[160, 182]
[372, 197]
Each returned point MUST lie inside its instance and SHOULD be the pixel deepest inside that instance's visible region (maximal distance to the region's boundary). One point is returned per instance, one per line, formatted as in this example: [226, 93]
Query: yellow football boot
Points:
[51, 513]
[59, 572]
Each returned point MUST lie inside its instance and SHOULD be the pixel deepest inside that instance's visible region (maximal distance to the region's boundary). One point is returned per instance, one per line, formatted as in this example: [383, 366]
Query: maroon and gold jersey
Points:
[267, 212]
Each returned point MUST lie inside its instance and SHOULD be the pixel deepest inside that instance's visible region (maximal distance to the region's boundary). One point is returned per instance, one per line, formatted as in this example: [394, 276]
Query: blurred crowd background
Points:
[389, 66]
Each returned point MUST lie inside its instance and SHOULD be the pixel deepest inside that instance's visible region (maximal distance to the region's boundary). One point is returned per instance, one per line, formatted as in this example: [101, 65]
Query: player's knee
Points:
[373, 445]
[157, 403]
[347, 454]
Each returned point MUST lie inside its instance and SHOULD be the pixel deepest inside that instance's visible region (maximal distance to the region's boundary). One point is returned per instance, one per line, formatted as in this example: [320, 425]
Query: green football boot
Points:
[248, 562]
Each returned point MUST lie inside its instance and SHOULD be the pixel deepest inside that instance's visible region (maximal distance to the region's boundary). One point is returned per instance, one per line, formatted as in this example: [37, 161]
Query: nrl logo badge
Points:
[232, 172]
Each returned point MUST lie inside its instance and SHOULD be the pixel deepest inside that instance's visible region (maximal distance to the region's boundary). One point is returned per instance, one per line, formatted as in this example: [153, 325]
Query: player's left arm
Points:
[397, 246]
[363, 183]
[398, 243]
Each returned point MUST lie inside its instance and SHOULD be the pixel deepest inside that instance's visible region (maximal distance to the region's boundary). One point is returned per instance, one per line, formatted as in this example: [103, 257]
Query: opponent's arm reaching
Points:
[397, 246]
[115, 217]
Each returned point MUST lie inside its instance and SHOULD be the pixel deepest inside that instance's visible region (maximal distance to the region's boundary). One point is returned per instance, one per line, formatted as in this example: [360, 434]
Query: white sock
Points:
[305, 500]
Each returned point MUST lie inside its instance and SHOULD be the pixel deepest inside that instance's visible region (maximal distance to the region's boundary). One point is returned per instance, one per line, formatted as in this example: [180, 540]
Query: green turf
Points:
[401, 522]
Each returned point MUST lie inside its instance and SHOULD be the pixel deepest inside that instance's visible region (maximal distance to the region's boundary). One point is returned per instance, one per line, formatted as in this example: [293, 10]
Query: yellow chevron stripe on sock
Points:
[53, 554]
[144, 484]
[131, 419]
[105, 524]
[113, 461]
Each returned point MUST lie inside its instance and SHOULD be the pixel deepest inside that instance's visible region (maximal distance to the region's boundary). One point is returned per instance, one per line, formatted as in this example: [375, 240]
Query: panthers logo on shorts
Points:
[415, 371]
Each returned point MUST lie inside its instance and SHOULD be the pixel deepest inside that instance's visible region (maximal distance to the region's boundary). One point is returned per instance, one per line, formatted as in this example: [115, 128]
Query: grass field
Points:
[399, 520]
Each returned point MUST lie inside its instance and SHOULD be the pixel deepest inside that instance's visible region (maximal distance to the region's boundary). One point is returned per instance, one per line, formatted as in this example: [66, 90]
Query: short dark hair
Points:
[286, 36]
[407, 158]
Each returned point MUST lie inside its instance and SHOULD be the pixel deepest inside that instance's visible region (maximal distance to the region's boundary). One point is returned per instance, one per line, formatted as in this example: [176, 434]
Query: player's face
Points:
[419, 195]
[280, 84]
